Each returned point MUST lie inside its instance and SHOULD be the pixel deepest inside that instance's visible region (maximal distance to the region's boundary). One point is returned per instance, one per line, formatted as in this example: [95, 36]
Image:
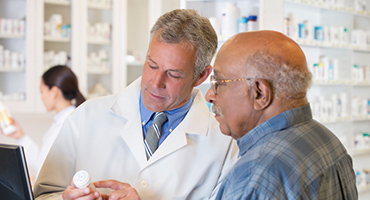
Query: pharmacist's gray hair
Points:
[187, 25]
[287, 82]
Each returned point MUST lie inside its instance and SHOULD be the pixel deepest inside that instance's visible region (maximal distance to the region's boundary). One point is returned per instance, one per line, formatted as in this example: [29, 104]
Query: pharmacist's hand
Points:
[122, 191]
[72, 192]
[18, 133]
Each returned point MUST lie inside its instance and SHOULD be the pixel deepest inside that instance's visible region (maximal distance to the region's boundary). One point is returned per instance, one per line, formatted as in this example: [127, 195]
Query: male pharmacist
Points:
[259, 97]
[154, 140]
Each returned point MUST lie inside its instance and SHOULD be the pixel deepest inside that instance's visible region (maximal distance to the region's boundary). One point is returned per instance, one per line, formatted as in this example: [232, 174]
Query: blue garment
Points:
[291, 156]
[174, 118]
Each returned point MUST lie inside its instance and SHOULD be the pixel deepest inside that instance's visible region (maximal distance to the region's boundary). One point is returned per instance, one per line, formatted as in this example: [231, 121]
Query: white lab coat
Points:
[35, 155]
[104, 137]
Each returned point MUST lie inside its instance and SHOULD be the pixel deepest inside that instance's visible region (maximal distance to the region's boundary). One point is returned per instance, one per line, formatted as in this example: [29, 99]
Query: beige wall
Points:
[35, 125]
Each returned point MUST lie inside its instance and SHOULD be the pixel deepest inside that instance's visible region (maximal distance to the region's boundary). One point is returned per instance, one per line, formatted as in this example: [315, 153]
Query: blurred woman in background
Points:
[59, 87]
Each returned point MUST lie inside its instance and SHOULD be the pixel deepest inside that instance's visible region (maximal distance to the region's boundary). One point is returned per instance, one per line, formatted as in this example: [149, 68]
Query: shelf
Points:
[362, 189]
[217, 0]
[11, 70]
[339, 120]
[136, 63]
[360, 152]
[342, 9]
[346, 119]
[58, 2]
[99, 6]
[98, 71]
[361, 118]
[340, 83]
[363, 49]
[99, 41]
[322, 44]
[332, 82]
[11, 36]
[316, 43]
[56, 39]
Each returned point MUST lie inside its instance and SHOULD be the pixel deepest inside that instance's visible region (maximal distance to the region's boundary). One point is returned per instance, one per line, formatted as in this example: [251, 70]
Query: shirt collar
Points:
[174, 116]
[62, 112]
[279, 122]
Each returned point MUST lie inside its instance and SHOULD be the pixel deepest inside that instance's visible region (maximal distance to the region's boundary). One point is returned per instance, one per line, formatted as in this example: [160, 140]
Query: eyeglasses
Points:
[214, 82]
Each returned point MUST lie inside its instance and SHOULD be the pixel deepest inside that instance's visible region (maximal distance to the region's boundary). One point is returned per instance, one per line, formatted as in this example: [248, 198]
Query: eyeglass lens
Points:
[214, 84]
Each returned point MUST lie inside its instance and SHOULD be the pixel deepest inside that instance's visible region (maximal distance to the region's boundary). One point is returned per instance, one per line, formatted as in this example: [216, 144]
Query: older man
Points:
[157, 138]
[259, 97]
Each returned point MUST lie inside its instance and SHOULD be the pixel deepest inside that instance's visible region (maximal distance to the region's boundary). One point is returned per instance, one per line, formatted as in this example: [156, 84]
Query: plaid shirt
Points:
[291, 156]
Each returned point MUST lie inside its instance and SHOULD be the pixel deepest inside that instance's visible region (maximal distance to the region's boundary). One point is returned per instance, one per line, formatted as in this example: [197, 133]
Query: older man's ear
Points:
[262, 94]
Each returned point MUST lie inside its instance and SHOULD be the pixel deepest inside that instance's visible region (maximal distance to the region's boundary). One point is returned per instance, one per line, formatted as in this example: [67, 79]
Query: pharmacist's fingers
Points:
[80, 194]
[124, 194]
[123, 190]
[112, 184]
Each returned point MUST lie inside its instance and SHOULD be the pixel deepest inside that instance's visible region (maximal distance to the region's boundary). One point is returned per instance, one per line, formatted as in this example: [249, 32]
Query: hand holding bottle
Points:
[18, 133]
[81, 187]
[6, 125]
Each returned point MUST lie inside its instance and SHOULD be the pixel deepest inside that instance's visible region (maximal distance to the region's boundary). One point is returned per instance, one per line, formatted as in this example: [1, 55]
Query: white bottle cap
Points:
[81, 179]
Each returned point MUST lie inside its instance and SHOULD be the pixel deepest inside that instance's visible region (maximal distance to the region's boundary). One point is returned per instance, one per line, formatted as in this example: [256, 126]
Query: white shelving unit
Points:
[98, 75]
[12, 70]
[348, 55]
[58, 2]
[56, 39]
[99, 41]
[99, 6]
[11, 36]
[17, 83]
[101, 72]
[34, 44]
[321, 5]
[44, 43]
[142, 15]
[113, 77]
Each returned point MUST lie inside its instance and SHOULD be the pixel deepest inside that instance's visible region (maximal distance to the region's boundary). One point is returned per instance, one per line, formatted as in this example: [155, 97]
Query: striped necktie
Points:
[154, 133]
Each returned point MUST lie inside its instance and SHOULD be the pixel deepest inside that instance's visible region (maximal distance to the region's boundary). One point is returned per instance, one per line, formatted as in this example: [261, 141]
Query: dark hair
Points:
[64, 78]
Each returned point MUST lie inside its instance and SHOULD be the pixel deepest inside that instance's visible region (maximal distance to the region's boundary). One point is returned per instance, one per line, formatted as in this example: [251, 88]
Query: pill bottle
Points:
[358, 178]
[82, 179]
[292, 26]
[309, 30]
[242, 24]
[301, 30]
[252, 23]
[366, 139]
[319, 33]
[5, 122]
[229, 22]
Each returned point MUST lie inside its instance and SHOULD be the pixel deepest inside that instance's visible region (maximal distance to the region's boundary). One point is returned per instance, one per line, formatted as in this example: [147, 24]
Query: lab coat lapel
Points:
[127, 106]
[195, 122]
[133, 137]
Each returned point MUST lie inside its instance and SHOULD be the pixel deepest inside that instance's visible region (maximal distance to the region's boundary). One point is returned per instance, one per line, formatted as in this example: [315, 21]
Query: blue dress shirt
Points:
[290, 156]
[175, 117]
